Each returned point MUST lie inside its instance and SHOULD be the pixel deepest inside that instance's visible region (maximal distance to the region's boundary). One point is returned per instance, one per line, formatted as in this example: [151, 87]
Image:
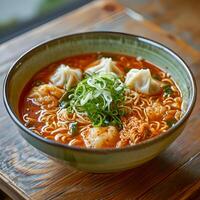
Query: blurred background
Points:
[178, 17]
[19, 16]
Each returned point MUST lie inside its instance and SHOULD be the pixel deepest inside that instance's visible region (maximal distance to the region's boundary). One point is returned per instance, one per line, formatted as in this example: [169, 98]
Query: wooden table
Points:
[27, 174]
[176, 16]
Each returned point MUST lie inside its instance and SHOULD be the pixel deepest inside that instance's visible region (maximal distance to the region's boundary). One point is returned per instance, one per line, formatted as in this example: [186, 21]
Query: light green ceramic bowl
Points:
[99, 160]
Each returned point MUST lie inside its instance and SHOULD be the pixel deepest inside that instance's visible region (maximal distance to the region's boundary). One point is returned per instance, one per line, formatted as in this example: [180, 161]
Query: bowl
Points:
[99, 160]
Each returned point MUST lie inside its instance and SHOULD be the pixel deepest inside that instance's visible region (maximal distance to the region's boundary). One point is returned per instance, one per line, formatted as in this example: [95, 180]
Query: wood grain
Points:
[180, 18]
[174, 174]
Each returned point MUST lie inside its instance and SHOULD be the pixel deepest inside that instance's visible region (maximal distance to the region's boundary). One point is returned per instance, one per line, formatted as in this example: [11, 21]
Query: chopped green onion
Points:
[171, 122]
[98, 96]
[64, 100]
[167, 90]
[73, 128]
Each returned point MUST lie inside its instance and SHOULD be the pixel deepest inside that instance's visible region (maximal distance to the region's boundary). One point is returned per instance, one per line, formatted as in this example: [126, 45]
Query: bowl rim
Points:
[140, 145]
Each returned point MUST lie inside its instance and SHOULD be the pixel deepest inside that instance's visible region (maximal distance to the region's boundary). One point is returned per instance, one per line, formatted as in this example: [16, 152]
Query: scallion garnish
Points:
[99, 97]
[167, 90]
[73, 128]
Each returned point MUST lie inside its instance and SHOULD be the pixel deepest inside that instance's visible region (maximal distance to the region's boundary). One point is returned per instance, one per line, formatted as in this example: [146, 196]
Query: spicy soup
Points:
[100, 100]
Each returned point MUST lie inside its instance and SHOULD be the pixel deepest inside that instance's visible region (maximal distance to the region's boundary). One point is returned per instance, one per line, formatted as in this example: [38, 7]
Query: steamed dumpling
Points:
[46, 95]
[101, 137]
[105, 65]
[141, 80]
[66, 77]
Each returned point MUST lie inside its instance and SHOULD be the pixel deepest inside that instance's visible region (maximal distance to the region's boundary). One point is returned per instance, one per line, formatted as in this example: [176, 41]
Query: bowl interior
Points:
[66, 46]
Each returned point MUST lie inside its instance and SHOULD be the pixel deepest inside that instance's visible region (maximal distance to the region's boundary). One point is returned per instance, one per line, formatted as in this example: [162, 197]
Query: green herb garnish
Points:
[167, 90]
[171, 122]
[64, 100]
[99, 97]
[73, 128]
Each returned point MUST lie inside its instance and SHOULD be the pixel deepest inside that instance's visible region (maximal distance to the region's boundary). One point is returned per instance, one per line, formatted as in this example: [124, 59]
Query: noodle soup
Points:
[100, 100]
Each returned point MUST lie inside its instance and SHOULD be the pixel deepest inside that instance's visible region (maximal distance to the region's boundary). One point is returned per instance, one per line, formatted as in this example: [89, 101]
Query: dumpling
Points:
[46, 95]
[101, 137]
[104, 65]
[156, 111]
[66, 77]
[141, 80]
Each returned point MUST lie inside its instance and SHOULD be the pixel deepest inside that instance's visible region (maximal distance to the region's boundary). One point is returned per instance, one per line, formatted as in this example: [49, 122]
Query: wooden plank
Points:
[4, 196]
[14, 192]
[192, 192]
[178, 17]
[176, 185]
[132, 22]
[41, 178]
